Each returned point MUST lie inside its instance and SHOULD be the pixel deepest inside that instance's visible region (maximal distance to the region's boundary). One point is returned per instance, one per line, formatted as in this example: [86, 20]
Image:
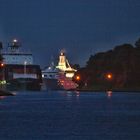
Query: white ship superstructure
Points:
[18, 70]
[50, 72]
[15, 56]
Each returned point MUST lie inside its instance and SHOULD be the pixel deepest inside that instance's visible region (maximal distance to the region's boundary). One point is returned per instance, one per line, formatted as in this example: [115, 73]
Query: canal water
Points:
[66, 115]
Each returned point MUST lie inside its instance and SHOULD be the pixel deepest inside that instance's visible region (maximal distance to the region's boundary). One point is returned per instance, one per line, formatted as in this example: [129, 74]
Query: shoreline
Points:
[5, 93]
[105, 90]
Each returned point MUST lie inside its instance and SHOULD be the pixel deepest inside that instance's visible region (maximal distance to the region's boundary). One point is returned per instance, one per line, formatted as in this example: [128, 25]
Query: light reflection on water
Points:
[2, 97]
[68, 115]
[109, 94]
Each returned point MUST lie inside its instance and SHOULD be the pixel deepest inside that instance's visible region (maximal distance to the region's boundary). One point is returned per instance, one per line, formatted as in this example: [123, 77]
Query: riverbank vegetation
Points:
[116, 69]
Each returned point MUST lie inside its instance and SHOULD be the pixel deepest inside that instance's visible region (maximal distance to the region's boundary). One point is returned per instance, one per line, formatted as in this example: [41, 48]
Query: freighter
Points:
[59, 76]
[17, 69]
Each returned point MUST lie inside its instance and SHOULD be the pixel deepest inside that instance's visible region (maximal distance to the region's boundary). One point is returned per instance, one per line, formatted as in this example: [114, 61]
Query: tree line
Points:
[118, 68]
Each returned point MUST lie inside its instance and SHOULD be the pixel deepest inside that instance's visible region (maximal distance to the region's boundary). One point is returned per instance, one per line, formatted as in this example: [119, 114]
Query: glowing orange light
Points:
[1, 64]
[109, 76]
[78, 77]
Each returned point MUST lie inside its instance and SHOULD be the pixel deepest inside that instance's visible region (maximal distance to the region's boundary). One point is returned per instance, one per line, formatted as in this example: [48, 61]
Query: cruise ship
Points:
[17, 71]
[59, 77]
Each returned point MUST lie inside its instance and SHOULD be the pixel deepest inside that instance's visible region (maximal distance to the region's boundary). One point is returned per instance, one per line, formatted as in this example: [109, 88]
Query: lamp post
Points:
[2, 82]
[109, 77]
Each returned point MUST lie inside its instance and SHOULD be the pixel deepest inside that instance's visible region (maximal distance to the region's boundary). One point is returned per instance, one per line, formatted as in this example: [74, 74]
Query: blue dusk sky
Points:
[81, 27]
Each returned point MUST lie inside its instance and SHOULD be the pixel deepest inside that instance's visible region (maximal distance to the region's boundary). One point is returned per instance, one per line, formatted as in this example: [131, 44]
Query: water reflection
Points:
[77, 93]
[109, 94]
[72, 94]
[2, 97]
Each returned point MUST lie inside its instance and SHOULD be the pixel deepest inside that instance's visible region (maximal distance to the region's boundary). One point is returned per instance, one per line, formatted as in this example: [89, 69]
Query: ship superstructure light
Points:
[64, 65]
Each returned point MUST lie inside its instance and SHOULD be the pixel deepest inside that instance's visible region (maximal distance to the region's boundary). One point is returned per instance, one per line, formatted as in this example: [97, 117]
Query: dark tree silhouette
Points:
[122, 62]
[137, 44]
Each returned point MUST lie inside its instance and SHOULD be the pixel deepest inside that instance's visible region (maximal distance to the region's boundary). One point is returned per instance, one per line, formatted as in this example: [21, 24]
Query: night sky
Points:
[81, 27]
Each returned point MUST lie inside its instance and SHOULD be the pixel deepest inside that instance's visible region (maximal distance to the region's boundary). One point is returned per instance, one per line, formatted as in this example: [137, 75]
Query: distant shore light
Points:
[77, 77]
[2, 64]
[109, 76]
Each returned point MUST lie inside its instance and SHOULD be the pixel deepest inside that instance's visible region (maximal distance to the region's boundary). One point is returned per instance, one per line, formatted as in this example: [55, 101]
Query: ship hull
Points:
[23, 84]
[52, 84]
[17, 79]
[62, 83]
